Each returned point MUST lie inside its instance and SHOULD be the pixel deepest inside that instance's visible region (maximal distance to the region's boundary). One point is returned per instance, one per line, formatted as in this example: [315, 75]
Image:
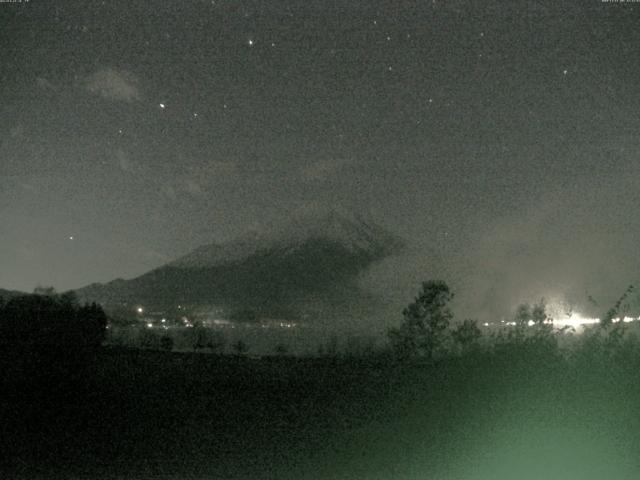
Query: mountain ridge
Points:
[312, 261]
[354, 233]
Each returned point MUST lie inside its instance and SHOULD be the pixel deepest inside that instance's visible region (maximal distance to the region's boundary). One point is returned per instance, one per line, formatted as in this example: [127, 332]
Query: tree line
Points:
[427, 330]
[47, 323]
[48, 340]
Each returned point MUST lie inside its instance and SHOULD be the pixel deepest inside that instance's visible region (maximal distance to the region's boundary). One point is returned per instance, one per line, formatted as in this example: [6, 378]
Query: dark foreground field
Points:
[139, 415]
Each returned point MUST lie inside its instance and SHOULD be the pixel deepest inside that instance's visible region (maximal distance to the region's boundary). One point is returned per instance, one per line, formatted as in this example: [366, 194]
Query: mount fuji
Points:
[307, 266]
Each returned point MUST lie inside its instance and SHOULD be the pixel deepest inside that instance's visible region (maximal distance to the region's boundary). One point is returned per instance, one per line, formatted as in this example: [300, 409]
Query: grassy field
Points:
[144, 414]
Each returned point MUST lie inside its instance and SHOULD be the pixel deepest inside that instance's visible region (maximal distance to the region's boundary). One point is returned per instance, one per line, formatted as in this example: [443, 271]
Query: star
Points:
[71, 237]
[162, 105]
[564, 72]
[250, 42]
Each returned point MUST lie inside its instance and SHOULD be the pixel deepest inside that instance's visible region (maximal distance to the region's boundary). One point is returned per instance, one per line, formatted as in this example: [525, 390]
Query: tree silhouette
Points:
[216, 341]
[166, 343]
[52, 321]
[204, 337]
[91, 323]
[616, 333]
[539, 315]
[281, 349]
[618, 308]
[522, 315]
[199, 336]
[425, 322]
[466, 335]
[49, 339]
[533, 327]
[240, 348]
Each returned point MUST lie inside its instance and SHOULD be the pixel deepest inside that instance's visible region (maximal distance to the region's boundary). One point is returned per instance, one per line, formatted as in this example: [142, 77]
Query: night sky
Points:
[499, 138]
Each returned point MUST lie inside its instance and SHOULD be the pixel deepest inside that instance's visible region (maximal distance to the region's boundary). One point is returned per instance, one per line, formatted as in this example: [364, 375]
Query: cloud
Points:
[561, 248]
[28, 187]
[119, 85]
[199, 181]
[46, 85]
[155, 255]
[17, 131]
[323, 170]
[170, 192]
[221, 169]
[194, 188]
[124, 161]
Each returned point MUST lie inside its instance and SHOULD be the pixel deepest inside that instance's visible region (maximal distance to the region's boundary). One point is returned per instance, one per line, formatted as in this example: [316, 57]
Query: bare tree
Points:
[426, 320]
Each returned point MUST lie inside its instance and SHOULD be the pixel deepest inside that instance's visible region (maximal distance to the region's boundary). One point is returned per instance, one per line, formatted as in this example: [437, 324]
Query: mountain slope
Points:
[353, 234]
[309, 267]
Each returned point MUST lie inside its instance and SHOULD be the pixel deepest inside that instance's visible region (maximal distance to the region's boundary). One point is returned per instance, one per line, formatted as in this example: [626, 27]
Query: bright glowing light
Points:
[140, 310]
[149, 325]
[575, 320]
[162, 105]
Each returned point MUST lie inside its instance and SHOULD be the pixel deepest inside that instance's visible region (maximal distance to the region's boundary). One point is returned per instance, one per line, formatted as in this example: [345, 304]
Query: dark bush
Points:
[166, 343]
[48, 337]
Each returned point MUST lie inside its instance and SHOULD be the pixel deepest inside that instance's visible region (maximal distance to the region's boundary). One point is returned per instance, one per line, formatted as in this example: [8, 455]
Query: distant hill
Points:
[7, 294]
[309, 266]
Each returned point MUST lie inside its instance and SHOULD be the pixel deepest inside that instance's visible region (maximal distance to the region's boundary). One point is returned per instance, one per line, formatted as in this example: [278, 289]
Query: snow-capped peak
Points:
[350, 231]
